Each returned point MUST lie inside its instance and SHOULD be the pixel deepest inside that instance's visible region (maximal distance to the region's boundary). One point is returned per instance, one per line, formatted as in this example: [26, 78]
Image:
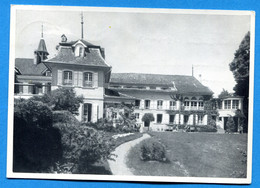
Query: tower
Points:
[41, 53]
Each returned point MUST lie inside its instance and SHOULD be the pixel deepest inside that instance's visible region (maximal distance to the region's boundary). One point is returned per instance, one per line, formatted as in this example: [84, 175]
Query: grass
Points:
[195, 155]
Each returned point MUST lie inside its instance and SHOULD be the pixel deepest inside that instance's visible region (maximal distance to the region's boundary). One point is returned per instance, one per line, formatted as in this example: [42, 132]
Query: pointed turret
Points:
[41, 53]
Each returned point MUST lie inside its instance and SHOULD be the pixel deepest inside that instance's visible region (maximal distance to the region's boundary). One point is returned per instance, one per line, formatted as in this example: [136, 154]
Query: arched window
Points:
[67, 77]
[88, 79]
[200, 103]
[193, 102]
[186, 101]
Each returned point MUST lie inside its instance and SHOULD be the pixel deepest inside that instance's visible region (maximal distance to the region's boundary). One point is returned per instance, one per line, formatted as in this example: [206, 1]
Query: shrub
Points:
[152, 150]
[37, 145]
[230, 126]
[206, 128]
[82, 147]
[62, 99]
[64, 117]
[33, 113]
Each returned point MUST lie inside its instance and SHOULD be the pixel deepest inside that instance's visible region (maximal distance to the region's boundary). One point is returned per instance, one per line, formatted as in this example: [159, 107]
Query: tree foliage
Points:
[230, 126]
[37, 145]
[148, 117]
[62, 99]
[224, 93]
[240, 68]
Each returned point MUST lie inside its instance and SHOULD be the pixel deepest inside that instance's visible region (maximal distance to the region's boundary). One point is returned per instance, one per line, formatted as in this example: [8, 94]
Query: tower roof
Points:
[42, 47]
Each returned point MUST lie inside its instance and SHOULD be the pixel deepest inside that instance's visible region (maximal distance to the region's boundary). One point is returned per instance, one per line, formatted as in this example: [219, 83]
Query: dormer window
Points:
[67, 77]
[79, 51]
[88, 79]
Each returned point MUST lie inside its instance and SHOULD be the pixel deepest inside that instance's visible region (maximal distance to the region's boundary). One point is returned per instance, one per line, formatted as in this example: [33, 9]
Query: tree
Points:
[37, 144]
[240, 68]
[147, 118]
[231, 127]
[62, 99]
[224, 93]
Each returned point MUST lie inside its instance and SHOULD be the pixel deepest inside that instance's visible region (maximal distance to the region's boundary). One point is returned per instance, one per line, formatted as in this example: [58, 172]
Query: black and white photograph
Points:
[130, 94]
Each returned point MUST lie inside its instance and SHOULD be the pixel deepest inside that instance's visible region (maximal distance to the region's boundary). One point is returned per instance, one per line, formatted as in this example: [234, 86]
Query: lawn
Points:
[195, 155]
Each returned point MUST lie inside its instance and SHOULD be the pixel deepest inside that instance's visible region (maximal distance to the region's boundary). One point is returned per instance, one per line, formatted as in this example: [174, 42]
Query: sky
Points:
[142, 42]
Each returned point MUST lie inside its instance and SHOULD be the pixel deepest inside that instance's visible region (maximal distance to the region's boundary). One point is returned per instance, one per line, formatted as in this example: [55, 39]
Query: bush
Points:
[33, 113]
[64, 117]
[62, 99]
[82, 147]
[152, 151]
[107, 125]
[230, 126]
[37, 145]
[206, 128]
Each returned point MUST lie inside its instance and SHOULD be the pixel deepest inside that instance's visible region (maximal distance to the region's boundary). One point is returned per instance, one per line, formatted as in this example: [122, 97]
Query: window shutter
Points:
[205, 119]
[95, 80]
[25, 88]
[142, 104]
[75, 78]
[59, 79]
[94, 112]
[80, 79]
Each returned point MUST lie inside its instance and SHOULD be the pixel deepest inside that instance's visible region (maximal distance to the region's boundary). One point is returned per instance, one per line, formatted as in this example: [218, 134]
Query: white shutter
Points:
[142, 104]
[196, 119]
[75, 78]
[80, 79]
[205, 119]
[182, 122]
[166, 105]
[59, 78]
[25, 88]
[94, 112]
[95, 76]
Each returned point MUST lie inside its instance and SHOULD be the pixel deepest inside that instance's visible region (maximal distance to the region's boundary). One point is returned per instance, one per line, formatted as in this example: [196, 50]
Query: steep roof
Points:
[26, 66]
[66, 56]
[42, 46]
[183, 84]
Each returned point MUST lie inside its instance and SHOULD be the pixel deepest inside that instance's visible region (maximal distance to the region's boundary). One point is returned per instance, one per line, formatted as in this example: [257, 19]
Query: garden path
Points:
[119, 167]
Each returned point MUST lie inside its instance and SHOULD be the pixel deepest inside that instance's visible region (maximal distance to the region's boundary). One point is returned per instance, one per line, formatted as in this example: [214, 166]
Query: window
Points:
[137, 104]
[67, 77]
[193, 103]
[159, 104]
[81, 52]
[171, 119]
[235, 104]
[88, 79]
[136, 115]
[114, 115]
[152, 87]
[172, 105]
[147, 104]
[159, 118]
[164, 88]
[87, 112]
[227, 104]
[200, 119]
[186, 101]
[200, 103]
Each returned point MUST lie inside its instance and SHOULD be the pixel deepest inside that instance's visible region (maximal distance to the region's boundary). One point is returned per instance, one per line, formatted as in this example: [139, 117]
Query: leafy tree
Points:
[148, 117]
[62, 99]
[37, 145]
[231, 127]
[224, 93]
[240, 68]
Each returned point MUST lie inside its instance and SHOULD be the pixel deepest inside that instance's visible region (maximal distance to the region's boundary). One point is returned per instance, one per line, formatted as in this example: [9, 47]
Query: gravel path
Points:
[118, 167]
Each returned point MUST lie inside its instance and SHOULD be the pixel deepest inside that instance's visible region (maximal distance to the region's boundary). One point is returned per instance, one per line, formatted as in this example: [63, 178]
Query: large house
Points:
[171, 99]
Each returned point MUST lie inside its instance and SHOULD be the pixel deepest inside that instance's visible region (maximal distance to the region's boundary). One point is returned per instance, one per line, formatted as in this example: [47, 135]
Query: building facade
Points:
[173, 100]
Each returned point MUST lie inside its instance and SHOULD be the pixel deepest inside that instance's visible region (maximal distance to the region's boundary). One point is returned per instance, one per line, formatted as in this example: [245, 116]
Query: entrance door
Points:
[87, 112]
[225, 123]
